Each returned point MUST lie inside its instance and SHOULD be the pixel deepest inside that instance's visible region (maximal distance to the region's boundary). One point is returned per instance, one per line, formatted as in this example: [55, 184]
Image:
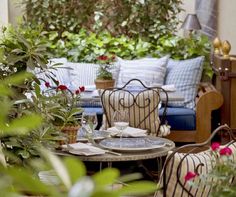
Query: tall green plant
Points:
[133, 18]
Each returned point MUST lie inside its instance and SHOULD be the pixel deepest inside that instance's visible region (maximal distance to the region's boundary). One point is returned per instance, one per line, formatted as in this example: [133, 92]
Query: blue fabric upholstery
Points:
[98, 110]
[180, 118]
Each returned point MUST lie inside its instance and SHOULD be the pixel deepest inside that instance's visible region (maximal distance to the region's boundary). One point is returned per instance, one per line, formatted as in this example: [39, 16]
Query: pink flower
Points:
[47, 84]
[62, 87]
[215, 146]
[82, 88]
[77, 91]
[189, 176]
[225, 151]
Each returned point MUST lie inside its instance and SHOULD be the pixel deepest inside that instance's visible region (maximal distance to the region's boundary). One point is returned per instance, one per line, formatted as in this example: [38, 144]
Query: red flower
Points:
[215, 146]
[189, 176]
[113, 57]
[226, 151]
[77, 91]
[82, 88]
[62, 87]
[103, 58]
[47, 84]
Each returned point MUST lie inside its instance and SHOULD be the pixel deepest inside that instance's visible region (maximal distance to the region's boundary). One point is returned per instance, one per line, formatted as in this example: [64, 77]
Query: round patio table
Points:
[127, 156]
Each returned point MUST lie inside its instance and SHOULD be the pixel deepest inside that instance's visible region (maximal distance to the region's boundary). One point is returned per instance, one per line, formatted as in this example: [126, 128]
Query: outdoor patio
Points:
[117, 98]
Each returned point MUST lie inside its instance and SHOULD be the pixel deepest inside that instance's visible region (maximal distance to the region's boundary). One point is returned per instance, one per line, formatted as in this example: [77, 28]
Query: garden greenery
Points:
[133, 18]
[83, 30]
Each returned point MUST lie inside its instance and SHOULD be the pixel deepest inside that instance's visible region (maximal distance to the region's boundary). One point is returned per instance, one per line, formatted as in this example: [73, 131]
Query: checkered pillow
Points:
[185, 75]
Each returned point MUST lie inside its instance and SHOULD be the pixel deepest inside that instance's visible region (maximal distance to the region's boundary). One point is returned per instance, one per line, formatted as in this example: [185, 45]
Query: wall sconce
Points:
[191, 23]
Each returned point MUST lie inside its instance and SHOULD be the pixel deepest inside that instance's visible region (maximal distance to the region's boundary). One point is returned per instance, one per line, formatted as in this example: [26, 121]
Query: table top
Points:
[126, 156]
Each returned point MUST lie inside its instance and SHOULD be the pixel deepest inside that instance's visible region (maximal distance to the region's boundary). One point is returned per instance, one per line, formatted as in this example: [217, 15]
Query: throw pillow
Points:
[178, 167]
[186, 76]
[59, 73]
[84, 74]
[150, 71]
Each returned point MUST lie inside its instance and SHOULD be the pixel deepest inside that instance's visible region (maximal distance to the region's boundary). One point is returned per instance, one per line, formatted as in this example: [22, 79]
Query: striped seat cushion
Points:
[178, 167]
[142, 108]
[150, 71]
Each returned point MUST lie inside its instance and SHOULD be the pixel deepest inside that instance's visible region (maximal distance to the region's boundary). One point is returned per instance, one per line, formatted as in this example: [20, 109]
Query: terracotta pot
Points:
[70, 134]
[103, 84]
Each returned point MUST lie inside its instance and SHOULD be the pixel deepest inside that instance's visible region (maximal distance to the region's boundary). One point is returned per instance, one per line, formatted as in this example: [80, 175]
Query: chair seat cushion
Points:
[180, 118]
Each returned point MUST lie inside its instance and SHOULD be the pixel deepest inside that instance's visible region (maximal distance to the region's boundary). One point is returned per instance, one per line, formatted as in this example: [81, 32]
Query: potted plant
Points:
[65, 111]
[104, 76]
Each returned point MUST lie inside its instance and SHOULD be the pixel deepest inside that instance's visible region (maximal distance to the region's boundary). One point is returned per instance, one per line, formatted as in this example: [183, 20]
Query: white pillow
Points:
[84, 74]
[150, 71]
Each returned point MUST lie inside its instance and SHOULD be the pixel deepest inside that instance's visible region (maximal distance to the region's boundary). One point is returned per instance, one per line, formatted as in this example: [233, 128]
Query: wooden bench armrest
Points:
[207, 100]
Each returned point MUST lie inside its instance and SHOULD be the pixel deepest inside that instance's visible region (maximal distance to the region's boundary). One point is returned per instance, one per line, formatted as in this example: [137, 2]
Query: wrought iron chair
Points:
[142, 105]
[177, 164]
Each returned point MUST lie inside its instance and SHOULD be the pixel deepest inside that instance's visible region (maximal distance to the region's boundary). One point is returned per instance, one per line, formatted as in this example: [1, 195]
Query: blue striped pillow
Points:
[186, 76]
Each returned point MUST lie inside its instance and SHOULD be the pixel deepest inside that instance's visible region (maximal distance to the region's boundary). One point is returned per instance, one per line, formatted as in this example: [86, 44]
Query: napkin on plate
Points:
[169, 88]
[128, 132]
[84, 149]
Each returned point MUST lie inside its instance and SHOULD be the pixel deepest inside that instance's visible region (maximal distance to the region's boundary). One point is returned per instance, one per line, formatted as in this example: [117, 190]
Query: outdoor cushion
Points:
[59, 73]
[149, 70]
[97, 110]
[186, 76]
[180, 118]
[83, 74]
[141, 108]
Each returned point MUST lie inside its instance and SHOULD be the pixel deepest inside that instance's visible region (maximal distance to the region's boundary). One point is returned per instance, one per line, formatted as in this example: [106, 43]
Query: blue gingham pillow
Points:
[186, 76]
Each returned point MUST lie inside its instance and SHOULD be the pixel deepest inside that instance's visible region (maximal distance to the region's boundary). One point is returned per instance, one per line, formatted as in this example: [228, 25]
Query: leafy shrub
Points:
[133, 18]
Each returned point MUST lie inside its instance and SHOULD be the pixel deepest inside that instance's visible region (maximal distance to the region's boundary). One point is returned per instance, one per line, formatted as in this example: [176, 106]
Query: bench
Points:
[187, 125]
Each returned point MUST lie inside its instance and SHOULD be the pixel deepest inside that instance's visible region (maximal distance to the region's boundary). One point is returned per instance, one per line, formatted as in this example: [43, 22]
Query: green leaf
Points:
[22, 125]
[106, 177]
[17, 78]
[24, 181]
[73, 164]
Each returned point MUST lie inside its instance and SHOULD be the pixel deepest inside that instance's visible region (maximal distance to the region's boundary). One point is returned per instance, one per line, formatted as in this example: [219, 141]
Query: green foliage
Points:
[87, 46]
[21, 48]
[133, 18]
[19, 181]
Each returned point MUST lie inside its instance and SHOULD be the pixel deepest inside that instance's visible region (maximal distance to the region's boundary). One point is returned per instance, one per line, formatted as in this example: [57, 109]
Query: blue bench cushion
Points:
[180, 118]
[98, 110]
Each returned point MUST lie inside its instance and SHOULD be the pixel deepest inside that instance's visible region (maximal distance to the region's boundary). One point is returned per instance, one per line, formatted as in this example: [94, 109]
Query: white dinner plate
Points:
[133, 144]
